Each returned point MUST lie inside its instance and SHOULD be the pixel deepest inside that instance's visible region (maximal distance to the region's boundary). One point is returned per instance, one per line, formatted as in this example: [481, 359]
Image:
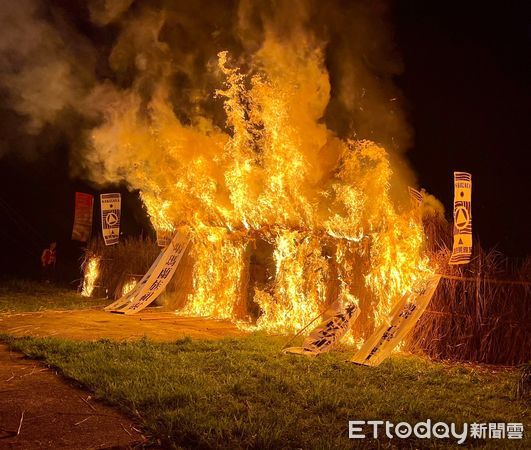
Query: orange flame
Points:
[90, 276]
[128, 286]
[277, 174]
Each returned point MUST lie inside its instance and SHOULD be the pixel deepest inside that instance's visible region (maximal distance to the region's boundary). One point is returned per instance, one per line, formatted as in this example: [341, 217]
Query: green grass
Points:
[242, 393]
[25, 296]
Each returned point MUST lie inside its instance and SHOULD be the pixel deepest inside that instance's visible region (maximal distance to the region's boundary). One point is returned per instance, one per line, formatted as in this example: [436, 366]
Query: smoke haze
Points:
[71, 71]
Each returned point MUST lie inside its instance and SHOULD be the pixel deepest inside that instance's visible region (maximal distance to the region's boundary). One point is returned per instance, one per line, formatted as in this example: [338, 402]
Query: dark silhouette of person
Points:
[48, 259]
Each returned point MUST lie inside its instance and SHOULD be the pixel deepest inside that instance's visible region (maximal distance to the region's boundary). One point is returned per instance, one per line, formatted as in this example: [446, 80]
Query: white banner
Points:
[462, 248]
[328, 333]
[402, 319]
[110, 217]
[124, 300]
[156, 279]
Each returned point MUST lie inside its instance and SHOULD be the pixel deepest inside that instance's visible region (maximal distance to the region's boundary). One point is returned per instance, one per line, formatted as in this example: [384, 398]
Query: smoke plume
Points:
[72, 69]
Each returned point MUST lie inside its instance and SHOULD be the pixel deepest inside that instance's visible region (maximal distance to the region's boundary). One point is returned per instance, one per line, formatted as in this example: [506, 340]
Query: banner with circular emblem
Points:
[462, 246]
[110, 217]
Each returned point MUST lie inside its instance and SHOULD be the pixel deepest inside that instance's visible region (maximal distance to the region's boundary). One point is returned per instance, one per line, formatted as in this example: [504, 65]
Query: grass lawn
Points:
[26, 296]
[242, 393]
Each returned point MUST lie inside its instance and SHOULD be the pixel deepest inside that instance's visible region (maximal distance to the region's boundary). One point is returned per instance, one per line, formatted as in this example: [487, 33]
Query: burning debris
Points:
[285, 215]
[279, 177]
[276, 144]
[128, 286]
[91, 274]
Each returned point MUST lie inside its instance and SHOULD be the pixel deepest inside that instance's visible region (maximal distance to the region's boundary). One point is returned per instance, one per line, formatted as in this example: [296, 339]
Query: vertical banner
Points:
[155, 280]
[82, 228]
[462, 248]
[328, 333]
[110, 218]
[404, 315]
[415, 197]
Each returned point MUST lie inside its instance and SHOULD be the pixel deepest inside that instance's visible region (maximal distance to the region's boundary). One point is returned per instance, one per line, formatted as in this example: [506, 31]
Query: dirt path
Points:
[58, 415]
[47, 412]
[96, 324]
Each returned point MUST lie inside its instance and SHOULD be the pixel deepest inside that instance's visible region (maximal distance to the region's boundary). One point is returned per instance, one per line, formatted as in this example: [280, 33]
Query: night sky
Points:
[466, 86]
[467, 83]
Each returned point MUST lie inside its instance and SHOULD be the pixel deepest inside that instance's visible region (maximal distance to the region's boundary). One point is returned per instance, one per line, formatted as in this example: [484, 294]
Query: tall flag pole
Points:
[110, 217]
[462, 248]
[82, 228]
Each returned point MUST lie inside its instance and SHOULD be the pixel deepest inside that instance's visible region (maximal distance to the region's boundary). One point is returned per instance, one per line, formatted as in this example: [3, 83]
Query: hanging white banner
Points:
[110, 217]
[462, 248]
[328, 333]
[156, 279]
[402, 319]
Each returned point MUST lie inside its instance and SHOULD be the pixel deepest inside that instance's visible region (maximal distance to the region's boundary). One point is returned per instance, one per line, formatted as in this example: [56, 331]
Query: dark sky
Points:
[466, 82]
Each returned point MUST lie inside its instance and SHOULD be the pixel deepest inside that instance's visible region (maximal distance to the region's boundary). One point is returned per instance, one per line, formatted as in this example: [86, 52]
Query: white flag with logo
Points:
[462, 248]
[110, 217]
[415, 197]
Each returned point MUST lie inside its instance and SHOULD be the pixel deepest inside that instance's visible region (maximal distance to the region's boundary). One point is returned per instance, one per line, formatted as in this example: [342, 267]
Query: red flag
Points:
[83, 217]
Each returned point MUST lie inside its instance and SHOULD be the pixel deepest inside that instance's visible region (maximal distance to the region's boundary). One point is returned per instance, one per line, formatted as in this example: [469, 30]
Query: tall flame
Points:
[274, 173]
[299, 292]
[90, 276]
[217, 278]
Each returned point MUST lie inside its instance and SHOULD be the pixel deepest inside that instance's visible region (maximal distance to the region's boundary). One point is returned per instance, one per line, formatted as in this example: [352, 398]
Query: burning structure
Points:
[286, 217]
[273, 132]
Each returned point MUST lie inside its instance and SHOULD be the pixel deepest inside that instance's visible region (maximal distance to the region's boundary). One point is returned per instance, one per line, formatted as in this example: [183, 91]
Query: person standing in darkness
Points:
[48, 259]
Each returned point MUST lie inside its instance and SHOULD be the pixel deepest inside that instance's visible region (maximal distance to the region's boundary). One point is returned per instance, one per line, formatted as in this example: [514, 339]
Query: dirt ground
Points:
[52, 413]
[93, 324]
[41, 410]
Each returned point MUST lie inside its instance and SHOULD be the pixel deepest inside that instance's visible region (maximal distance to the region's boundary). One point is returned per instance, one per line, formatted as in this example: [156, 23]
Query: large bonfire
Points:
[274, 176]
